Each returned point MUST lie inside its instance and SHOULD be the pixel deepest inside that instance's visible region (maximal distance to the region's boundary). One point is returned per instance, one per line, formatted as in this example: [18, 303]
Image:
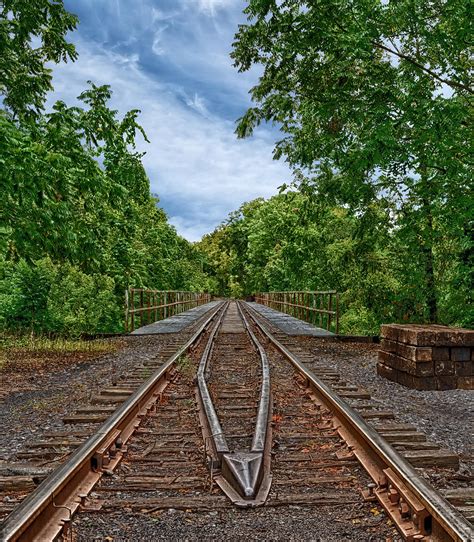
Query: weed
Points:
[185, 366]
[45, 344]
[188, 403]
[146, 372]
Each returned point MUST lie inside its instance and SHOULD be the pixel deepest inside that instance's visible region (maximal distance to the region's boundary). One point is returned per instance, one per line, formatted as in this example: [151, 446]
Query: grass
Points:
[30, 349]
[185, 366]
[31, 343]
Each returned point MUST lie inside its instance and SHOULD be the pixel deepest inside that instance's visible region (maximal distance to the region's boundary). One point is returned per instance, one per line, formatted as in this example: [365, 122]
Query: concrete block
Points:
[424, 383]
[387, 372]
[428, 335]
[440, 353]
[466, 382]
[464, 368]
[415, 353]
[447, 382]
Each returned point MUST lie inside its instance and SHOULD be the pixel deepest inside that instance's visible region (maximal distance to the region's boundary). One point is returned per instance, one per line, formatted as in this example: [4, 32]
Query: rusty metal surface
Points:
[377, 455]
[57, 495]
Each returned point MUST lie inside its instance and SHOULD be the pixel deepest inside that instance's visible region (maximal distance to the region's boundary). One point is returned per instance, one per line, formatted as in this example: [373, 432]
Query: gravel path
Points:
[288, 524]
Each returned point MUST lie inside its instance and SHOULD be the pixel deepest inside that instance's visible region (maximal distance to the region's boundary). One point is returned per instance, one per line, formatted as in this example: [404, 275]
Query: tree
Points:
[374, 100]
[78, 222]
[31, 34]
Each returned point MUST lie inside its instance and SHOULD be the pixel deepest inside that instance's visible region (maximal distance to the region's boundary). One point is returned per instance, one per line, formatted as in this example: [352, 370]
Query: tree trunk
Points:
[427, 249]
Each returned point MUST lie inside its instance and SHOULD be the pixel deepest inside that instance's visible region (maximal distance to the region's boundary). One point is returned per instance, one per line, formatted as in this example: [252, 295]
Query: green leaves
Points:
[30, 36]
[374, 101]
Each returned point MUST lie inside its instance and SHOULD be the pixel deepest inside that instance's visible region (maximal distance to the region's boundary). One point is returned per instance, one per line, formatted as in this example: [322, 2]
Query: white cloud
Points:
[196, 165]
[211, 6]
[157, 46]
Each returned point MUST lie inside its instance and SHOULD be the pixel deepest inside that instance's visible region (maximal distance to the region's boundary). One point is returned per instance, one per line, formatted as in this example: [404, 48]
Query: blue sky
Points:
[170, 58]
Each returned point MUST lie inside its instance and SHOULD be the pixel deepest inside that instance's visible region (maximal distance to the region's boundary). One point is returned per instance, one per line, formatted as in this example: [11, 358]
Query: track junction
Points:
[230, 415]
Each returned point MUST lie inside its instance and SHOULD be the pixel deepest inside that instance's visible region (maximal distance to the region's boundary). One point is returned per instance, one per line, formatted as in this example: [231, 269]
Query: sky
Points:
[170, 59]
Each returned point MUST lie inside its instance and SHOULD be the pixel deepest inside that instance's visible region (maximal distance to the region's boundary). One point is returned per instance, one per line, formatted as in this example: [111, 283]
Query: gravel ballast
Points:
[446, 417]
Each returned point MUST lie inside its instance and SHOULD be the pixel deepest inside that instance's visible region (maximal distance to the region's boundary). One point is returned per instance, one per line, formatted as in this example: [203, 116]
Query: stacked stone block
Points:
[430, 357]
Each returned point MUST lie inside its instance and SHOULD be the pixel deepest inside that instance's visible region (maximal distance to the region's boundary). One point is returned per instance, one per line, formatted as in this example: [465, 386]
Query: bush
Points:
[43, 297]
[80, 303]
[24, 291]
[358, 320]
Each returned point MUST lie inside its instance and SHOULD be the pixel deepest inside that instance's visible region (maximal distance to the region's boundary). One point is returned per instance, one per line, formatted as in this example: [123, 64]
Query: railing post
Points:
[329, 312]
[149, 307]
[126, 311]
[141, 306]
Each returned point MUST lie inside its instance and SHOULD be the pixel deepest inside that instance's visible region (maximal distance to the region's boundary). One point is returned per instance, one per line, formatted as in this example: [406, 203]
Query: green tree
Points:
[31, 34]
[374, 100]
[78, 222]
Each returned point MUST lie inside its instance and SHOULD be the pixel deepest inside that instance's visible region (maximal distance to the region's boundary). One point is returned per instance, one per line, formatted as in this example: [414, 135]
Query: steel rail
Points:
[242, 470]
[215, 427]
[260, 432]
[20, 524]
[449, 519]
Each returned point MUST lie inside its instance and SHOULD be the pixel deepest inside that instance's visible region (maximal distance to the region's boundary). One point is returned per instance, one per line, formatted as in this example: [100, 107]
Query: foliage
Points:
[79, 224]
[31, 34]
[294, 241]
[374, 102]
[47, 297]
[32, 343]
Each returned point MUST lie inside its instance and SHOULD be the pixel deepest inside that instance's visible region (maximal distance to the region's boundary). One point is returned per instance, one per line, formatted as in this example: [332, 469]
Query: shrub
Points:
[44, 297]
[358, 320]
[24, 291]
[80, 303]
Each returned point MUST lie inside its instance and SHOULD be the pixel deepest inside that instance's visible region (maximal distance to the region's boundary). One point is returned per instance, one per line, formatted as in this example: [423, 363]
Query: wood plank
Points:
[432, 458]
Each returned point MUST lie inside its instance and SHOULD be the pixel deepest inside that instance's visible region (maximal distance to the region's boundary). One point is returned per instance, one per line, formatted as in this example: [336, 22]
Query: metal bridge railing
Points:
[318, 308]
[143, 306]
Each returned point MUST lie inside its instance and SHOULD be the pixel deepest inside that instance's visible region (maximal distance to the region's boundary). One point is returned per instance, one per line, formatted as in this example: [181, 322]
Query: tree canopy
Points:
[374, 100]
[79, 224]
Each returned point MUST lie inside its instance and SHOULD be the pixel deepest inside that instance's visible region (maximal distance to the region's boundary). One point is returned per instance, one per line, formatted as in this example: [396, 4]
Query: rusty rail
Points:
[48, 511]
[149, 306]
[320, 308]
[419, 511]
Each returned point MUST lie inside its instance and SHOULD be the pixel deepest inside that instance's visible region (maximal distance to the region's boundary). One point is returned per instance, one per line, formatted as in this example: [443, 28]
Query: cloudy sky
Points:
[170, 58]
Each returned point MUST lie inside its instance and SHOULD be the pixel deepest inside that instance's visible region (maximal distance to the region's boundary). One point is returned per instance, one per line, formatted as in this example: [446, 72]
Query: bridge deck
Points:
[289, 324]
[175, 324]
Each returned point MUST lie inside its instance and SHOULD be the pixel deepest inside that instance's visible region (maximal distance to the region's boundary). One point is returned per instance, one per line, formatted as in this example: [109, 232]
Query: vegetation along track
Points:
[300, 443]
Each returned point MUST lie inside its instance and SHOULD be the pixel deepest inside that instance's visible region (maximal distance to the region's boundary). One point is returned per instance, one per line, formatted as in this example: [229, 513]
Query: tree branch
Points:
[423, 68]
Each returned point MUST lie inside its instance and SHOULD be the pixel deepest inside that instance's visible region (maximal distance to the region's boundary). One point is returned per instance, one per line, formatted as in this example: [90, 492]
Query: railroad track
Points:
[234, 418]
